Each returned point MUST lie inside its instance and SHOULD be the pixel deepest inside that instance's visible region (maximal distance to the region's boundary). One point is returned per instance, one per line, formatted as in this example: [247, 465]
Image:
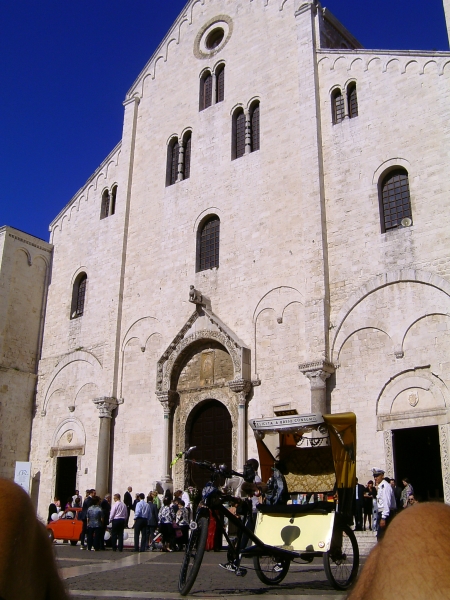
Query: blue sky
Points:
[66, 67]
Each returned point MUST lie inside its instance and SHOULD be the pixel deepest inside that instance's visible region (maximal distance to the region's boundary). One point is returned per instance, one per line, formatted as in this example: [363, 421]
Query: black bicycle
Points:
[271, 562]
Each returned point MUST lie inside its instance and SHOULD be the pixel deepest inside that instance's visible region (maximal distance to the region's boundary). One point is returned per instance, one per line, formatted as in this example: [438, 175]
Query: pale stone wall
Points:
[389, 291]
[78, 356]
[24, 271]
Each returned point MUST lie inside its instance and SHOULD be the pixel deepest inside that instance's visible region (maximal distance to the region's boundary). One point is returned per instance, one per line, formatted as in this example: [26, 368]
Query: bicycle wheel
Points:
[341, 565]
[193, 556]
[271, 570]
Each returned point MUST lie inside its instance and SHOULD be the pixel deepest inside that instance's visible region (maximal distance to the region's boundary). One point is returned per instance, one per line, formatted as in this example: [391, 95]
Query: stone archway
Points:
[208, 363]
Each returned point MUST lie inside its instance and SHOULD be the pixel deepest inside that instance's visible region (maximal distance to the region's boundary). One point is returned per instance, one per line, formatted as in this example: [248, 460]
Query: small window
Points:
[208, 244]
[187, 156]
[395, 200]
[220, 84]
[112, 208]
[206, 91]
[352, 101]
[238, 147]
[173, 154]
[104, 211]
[254, 125]
[337, 104]
[214, 39]
[78, 296]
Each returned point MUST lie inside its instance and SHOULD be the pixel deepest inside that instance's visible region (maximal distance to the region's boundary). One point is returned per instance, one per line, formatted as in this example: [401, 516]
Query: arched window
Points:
[206, 90]
[395, 201]
[112, 208]
[173, 153]
[254, 126]
[104, 211]
[187, 155]
[337, 106]
[238, 136]
[208, 244]
[220, 83]
[352, 101]
[78, 296]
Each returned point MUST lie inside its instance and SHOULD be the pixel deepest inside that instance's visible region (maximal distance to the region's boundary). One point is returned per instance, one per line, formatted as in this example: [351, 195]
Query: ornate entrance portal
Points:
[211, 432]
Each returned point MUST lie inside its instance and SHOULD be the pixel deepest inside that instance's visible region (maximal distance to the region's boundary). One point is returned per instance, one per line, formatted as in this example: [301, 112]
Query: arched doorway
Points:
[211, 431]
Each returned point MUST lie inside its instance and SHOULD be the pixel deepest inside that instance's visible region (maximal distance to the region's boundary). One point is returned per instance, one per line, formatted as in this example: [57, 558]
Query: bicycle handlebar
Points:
[221, 469]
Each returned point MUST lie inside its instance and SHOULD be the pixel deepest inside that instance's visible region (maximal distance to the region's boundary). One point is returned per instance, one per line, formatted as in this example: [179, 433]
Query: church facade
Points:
[269, 237]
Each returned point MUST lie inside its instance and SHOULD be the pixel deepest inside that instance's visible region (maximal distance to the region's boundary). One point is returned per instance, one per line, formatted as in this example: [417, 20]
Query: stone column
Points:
[389, 453]
[248, 132]
[445, 460]
[318, 373]
[241, 387]
[214, 89]
[168, 400]
[105, 406]
[180, 176]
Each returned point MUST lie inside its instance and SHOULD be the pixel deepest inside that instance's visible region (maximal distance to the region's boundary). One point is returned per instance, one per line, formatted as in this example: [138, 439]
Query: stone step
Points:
[366, 541]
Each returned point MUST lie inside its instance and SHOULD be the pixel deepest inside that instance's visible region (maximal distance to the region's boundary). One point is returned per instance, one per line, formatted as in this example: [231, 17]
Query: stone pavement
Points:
[154, 575]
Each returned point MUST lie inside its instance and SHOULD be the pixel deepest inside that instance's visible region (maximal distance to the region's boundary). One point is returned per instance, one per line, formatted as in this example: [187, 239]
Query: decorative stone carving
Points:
[241, 387]
[71, 408]
[195, 296]
[105, 406]
[399, 354]
[389, 453]
[168, 400]
[445, 461]
[413, 399]
[317, 372]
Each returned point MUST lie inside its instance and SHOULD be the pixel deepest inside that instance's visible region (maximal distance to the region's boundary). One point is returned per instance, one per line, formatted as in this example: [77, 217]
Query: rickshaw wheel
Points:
[270, 569]
[341, 565]
[193, 556]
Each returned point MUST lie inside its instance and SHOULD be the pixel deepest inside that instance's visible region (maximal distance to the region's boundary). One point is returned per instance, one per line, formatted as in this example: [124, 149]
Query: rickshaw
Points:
[309, 462]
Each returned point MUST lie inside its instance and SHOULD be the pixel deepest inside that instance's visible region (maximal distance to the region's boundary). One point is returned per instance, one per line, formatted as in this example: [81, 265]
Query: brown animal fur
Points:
[27, 565]
[413, 560]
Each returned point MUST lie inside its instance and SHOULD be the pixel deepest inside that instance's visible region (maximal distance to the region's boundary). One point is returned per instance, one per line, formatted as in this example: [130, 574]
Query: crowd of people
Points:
[158, 520]
[377, 503]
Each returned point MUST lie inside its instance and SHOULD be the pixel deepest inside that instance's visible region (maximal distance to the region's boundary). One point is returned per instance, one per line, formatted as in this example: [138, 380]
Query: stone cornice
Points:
[366, 51]
[320, 365]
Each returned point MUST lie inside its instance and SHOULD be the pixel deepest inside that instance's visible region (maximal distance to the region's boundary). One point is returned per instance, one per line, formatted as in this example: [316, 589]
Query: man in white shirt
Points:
[119, 518]
[385, 499]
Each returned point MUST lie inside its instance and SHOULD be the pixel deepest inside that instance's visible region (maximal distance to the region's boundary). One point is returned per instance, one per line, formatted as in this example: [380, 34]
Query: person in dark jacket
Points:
[88, 502]
[358, 505]
[152, 522]
[105, 505]
[128, 501]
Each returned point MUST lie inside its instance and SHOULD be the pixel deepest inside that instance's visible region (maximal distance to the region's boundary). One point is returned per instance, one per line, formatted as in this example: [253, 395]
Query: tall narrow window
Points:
[352, 100]
[173, 153]
[208, 244]
[337, 106]
[206, 91]
[187, 156]
[395, 200]
[220, 84]
[238, 137]
[112, 208]
[78, 296]
[104, 211]
[254, 125]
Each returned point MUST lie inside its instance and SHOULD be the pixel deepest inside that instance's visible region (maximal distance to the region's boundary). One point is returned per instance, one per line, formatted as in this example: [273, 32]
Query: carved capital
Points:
[168, 400]
[105, 406]
[317, 372]
[241, 387]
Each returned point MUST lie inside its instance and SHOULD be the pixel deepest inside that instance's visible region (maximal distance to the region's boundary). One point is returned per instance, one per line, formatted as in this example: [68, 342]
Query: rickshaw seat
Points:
[295, 509]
